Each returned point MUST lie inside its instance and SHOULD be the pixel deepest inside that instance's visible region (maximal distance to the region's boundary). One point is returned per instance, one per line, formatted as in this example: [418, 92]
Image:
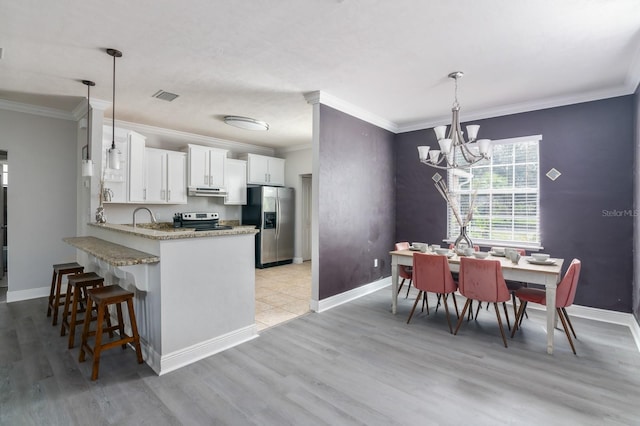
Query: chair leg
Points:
[446, 311]
[438, 304]
[506, 315]
[400, 287]
[455, 303]
[464, 310]
[414, 306]
[470, 317]
[513, 301]
[524, 311]
[504, 339]
[564, 311]
[408, 289]
[478, 309]
[566, 330]
[518, 320]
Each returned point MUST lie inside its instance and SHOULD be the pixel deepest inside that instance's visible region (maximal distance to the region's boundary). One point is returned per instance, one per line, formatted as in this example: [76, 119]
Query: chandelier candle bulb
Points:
[472, 131]
[440, 131]
[445, 145]
[423, 152]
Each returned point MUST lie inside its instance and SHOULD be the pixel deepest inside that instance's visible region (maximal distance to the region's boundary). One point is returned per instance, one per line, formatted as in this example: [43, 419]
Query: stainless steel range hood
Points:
[206, 191]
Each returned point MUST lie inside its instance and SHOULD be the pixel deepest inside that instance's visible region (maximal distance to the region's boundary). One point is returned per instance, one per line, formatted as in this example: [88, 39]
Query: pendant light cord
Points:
[113, 111]
[88, 83]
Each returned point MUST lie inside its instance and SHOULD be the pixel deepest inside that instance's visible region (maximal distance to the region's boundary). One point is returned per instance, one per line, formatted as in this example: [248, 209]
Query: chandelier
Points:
[455, 152]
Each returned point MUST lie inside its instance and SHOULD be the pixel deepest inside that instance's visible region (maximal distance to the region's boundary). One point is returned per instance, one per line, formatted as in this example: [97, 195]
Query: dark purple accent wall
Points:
[356, 202]
[587, 213]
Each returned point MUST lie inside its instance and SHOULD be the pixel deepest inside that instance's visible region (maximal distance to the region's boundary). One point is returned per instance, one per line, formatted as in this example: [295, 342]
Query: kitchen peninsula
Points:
[194, 292]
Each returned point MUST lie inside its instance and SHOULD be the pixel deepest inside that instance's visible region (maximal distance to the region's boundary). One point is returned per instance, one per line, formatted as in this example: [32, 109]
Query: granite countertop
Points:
[166, 231]
[114, 254]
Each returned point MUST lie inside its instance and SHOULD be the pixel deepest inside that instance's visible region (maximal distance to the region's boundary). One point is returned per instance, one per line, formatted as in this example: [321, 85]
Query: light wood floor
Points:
[282, 293]
[355, 364]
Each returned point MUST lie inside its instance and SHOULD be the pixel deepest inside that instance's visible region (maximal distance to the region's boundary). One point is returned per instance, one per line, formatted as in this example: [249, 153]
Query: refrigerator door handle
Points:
[277, 217]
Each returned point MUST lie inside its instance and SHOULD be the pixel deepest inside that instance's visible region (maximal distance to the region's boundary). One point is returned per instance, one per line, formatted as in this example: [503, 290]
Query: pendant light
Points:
[87, 164]
[114, 153]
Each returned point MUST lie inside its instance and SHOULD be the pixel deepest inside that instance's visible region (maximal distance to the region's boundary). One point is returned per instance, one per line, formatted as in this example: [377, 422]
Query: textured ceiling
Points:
[258, 58]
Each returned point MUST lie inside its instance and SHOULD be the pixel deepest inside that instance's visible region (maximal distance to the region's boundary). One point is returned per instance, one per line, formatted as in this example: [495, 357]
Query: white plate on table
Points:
[541, 262]
[493, 253]
[412, 248]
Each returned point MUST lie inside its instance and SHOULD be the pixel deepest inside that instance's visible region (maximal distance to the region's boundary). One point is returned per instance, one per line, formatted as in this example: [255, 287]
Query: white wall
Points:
[298, 162]
[43, 164]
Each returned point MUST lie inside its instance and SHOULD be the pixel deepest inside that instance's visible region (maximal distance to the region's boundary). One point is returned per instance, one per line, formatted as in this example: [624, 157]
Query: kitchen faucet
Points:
[153, 218]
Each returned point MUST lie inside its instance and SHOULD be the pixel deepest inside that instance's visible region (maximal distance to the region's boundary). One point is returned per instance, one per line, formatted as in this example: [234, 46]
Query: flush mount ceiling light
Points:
[245, 123]
[456, 152]
[114, 153]
[87, 164]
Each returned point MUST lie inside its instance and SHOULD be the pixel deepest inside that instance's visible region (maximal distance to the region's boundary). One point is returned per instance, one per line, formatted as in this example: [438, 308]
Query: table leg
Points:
[394, 284]
[551, 320]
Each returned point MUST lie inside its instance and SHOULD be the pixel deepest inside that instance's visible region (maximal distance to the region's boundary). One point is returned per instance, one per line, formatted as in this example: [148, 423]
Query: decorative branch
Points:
[441, 186]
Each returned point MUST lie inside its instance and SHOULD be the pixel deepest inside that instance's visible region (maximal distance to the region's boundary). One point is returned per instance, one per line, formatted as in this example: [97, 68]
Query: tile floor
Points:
[282, 293]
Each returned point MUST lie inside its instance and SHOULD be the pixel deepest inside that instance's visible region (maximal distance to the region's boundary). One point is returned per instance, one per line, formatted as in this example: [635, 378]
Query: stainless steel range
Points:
[201, 221]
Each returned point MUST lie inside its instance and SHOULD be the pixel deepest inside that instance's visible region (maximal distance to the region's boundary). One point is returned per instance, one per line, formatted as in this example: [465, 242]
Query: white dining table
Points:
[547, 275]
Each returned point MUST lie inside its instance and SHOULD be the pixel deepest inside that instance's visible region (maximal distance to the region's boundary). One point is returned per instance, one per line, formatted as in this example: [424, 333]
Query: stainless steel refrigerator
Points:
[272, 210]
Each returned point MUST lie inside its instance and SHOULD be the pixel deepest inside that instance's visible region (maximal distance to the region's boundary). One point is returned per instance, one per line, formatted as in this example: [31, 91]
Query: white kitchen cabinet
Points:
[124, 183]
[165, 173]
[264, 170]
[235, 178]
[136, 179]
[206, 166]
[176, 177]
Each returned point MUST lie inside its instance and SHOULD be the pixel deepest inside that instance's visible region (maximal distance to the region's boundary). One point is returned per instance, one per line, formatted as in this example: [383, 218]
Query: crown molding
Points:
[467, 116]
[293, 148]
[36, 110]
[193, 138]
[81, 109]
[320, 97]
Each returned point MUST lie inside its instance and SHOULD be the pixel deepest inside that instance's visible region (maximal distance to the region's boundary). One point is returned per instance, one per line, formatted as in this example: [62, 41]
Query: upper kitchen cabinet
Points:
[235, 178]
[206, 167]
[263, 170]
[165, 176]
[117, 178]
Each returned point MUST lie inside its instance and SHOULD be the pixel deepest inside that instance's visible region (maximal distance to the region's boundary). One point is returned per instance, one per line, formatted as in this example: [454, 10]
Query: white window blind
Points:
[506, 187]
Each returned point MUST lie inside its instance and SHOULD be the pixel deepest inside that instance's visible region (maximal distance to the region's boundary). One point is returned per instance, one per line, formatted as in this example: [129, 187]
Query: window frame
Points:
[534, 245]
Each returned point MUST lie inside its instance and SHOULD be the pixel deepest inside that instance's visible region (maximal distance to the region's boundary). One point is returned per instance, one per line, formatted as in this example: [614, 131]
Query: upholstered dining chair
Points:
[481, 280]
[565, 293]
[431, 273]
[404, 272]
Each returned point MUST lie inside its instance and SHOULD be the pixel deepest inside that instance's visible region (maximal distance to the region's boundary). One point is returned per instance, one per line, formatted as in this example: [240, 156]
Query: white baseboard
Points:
[167, 363]
[32, 293]
[347, 296]
[611, 317]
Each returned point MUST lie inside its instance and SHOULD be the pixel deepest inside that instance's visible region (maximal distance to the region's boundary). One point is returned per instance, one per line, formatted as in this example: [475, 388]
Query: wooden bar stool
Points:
[59, 270]
[75, 298]
[103, 297]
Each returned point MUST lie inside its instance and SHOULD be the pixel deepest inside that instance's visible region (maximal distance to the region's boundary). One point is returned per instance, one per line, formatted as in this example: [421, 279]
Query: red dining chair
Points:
[482, 280]
[404, 272]
[565, 293]
[432, 273]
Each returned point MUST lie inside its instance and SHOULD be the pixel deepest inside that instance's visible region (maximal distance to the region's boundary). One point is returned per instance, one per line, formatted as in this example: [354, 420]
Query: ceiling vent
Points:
[165, 96]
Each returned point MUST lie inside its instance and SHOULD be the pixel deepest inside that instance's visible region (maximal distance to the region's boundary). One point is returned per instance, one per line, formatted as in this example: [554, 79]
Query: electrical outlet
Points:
[375, 263]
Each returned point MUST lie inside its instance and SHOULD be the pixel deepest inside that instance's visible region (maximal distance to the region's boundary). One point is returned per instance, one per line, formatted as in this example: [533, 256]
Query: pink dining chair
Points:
[431, 273]
[404, 272]
[565, 293]
[482, 280]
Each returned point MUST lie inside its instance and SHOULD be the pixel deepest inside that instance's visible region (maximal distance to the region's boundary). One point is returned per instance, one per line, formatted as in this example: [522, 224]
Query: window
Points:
[506, 189]
[5, 174]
